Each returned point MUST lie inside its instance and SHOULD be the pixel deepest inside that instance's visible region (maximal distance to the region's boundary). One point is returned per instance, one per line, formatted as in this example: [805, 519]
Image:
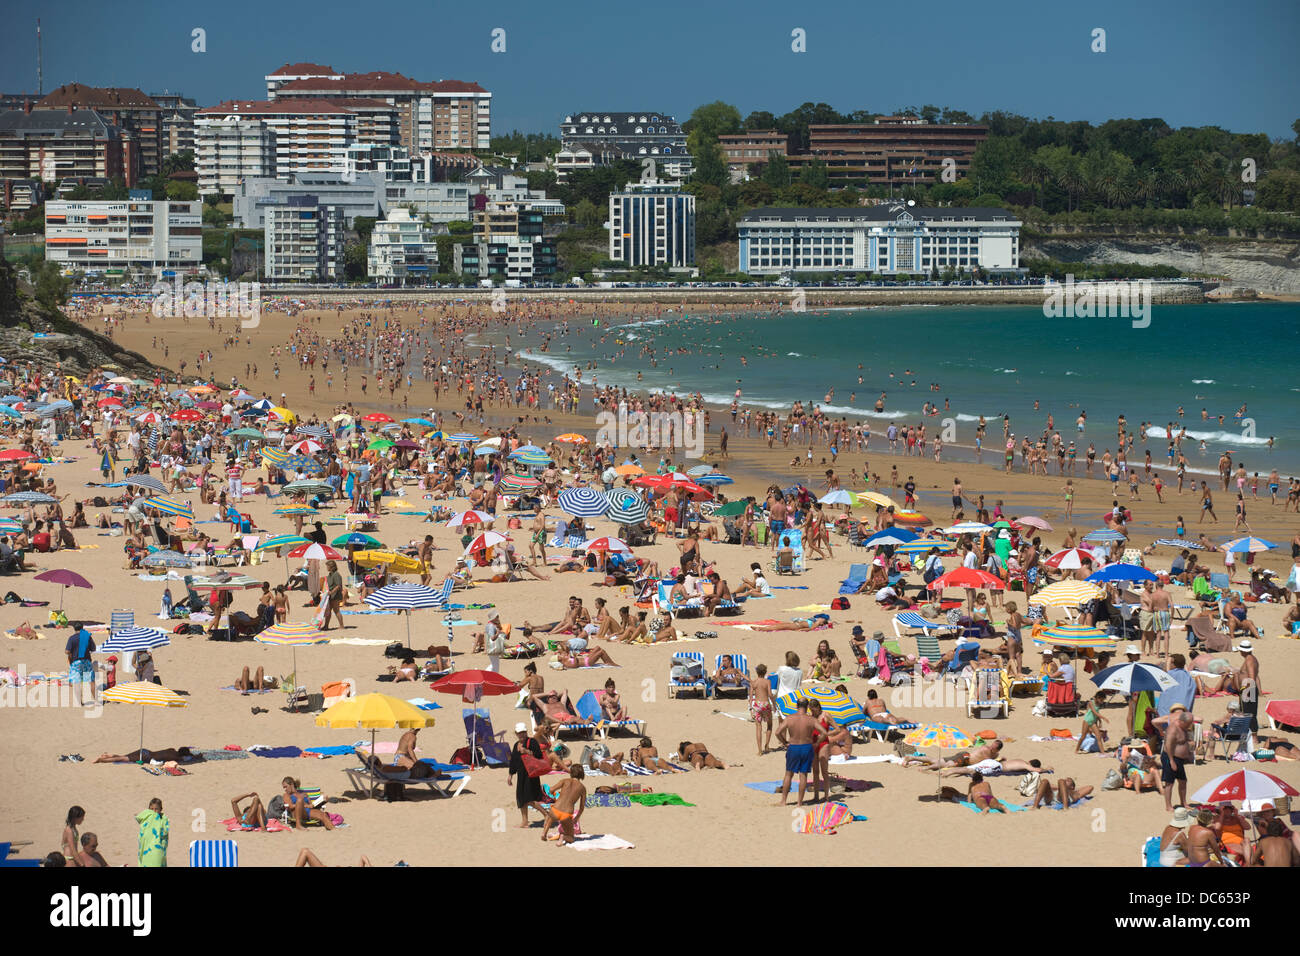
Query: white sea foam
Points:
[1202, 381]
[1211, 438]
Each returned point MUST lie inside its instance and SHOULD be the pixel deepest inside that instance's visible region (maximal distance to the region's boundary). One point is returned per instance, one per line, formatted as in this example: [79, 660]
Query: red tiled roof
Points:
[303, 69]
[255, 107]
[93, 97]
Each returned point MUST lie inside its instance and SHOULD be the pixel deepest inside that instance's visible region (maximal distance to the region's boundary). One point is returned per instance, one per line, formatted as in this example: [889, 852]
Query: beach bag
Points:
[840, 604]
[1088, 745]
[1113, 781]
[535, 766]
[59, 618]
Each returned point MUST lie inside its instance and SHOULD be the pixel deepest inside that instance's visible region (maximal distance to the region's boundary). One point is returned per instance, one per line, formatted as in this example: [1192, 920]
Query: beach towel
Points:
[264, 751]
[1056, 804]
[637, 771]
[272, 826]
[824, 819]
[789, 587]
[1011, 807]
[657, 799]
[839, 759]
[334, 750]
[767, 786]
[603, 841]
[607, 800]
[271, 690]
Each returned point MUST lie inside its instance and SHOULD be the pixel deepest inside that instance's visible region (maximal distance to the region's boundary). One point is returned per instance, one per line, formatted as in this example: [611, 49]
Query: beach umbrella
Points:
[65, 578]
[1244, 785]
[145, 481]
[294, 636]
[608, 544]
[308, 446]
[572, 438]
[923, 546]
[533, 460]
[222, 581]
[150, 418]
[838, 497]
[9, 526]
[1077, 636]
[911, 517]
[1104, 534]
[296, 511]
[300, 463]
[166, 559]
[628, 470]
[397, 562]
[876, 498]
[836, 705]
[966, 578]
[406, 597]
[1066, 594]
[379, 444]
[377, 418]
[279, 541]
[308, 486]
[939, 736]
[15, 454]
[1248, 545]
[473, 686]
[373, 712]
[513, 484]
[729, 510]
[485, 540]
[627, 508]
[419, 421]
[1179, 543]
[1069, 559]
[240, 395]
[355, 539]
[715, 478]
[202, 390]
[1121, 572]
[130, 639]
[187, 415]
[10, 412]
[1134, 677]
[275, 456]
[1032, 522]
[527, 450]
[583, 502]
[144, 694]
[890, 536]
[471, 517]
[463, 438]
[968, 527]
[315, 431]
[170, 506]
[30, 498]
[316, 552]
[699, 470]
[209, 406]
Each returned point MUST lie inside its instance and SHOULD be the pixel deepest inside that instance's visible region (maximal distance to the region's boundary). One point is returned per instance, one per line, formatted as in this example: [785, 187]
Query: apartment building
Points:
[891, 151]
[124, 107]
[402, 249]
[177, 121]
[652, 224]
[503, 219]
[439, 115]
[109, 236]
[304, 241]
[888, 239]
[56, 144]
[741, 149]
[359, 196]
[509, 258]
[588, 140]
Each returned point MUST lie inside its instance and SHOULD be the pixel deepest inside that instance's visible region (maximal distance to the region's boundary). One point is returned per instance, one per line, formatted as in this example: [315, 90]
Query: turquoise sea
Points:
[986, 360]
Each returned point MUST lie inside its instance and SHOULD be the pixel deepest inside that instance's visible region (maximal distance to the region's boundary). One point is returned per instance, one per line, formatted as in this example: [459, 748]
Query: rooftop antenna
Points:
[40, 73]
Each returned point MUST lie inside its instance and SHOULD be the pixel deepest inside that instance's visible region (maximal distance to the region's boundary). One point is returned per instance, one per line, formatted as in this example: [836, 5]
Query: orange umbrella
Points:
[571, 438]
[629, 471]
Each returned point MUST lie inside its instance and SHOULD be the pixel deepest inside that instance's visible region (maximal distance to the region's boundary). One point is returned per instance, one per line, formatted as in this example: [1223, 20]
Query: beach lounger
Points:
[120, 619]
[691, 606]
[739, 662]
[361, 780]
[964, 654]
[6, 861]
[1203, 632]
[871, 729]
[857, 577]
[588, 707]
[986, 694]
[913, 621]
[687, 665]
[1236, 736]
[478, 730]
[793, 563]
[927, 645]
[214, 853]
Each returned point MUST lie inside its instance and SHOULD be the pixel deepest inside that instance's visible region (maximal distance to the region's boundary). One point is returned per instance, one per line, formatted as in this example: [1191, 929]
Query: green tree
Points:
[713, 120]
[815, 175]
[777, 172]
[1279, 189]
[763, 120]
[180, 191]
[710, 165]
[587, 213]
[354, 259]
[363, 226]
[51, 286]
[178, 162]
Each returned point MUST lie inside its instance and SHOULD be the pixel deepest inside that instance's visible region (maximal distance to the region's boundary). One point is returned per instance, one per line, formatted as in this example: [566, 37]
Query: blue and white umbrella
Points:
[626, 507]
[264, 405]
[525, 450]
[837, 497]
[145, 481]
[583, 502]
[10, 412]
[1248, 545]
[1121, 572]
[54, 408]
[130, 639]
[1134, 677]
[715, 478]
[407, 597]
[30, 498]
[890, 536]
[318, 431]
[1104, 535]
[462, 438]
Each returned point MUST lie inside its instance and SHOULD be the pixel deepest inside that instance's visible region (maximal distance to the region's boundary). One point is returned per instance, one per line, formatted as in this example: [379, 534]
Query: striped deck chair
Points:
[561, 534]
[987, 690]
[871, 729]
[120, 619]
[588, 708]
[444, 599]
[927, 645]
[739, 662]
[680, 678]
[914, 621]
[691, 606]
[214, 853]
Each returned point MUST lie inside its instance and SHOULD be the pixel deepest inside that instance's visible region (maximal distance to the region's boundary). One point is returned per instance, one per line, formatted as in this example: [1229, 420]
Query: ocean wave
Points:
[1202, 381]
[795, 354]
[550, 361]
[1216, 438]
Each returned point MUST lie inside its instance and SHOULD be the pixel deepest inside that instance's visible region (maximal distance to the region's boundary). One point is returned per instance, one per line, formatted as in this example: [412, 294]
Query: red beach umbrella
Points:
[966, 578]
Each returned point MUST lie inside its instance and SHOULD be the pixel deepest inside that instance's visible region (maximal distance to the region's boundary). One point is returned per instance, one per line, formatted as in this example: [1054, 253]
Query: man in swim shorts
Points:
[800, 734]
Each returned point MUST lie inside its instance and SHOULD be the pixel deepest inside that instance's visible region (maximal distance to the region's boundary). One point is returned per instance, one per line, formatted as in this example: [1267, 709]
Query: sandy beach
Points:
[728, 824]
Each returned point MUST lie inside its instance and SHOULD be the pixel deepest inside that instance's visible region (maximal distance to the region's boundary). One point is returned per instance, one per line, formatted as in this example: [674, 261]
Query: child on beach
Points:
[760, 708]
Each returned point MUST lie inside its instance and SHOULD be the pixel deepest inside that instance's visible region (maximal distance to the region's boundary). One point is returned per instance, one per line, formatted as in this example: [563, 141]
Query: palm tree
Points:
[1033, 174]
[1073, 184]
[1174, 182]
[1146, 187]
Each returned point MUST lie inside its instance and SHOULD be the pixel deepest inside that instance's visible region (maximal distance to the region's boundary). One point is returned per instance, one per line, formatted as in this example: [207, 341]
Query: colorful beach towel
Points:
[607, 800]
[657, 799]
[1011, 807]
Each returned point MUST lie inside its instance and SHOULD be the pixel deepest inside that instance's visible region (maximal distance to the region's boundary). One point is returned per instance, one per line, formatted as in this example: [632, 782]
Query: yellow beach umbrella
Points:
[374, 712]
[1066, 594]
[398, 563]
[876, 498]
[144, 693]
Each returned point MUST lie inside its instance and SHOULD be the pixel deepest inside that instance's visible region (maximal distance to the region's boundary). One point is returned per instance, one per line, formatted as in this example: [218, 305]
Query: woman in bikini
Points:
[591, 657]
[71, 837]
[295, 801]
[253, 816]
[647, 757]
[698, 756]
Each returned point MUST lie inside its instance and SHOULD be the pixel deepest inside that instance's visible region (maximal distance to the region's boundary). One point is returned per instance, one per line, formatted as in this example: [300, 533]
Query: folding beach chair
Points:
[792, 564]
[5, 861]
[1237, 732]
[479, 733]
[214, 853]
[965, 654]
[588, 708]
[450, 784]
[986, 695]
[120, 619]
[927, 645]
[857, 577]
[739, 662]
[691, 606]
[561, 533]
[686, 672]
[914, 621]
[874, 730]
[444, 598]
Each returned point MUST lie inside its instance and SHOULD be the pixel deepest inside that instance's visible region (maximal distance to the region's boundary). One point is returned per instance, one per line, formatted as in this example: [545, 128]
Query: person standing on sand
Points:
[155, 829]
[566, 811]
[760, 708]
[800, 734]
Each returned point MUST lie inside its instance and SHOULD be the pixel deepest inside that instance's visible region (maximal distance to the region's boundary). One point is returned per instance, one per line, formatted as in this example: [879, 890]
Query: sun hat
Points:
[1133, 649]
[521, 728]
[1182, 818]
[1245, 647]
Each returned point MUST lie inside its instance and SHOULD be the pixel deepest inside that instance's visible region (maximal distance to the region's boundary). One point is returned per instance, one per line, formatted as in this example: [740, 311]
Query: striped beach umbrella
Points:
[513, 484]
[968, 527]
[187, 415]
[295, 511]
[1104, 534]
[1076, 636]
[611, 544]
[523, 450]
[407, 597]
[913, 518]
[315, 431]
[301, 463]
[30, 498]
[144, 694]
[1066, 594]
[145, 481]
[470, 517]
[275, 456]
[583, 502]
[166, 559]
[1248, 545]
[150, 418]
[1069, 559]
[838, 706]
[463, 438]
[533, 460]
[316, 552]
[293, 636]
[170, 506]
[1134, 677]
[355, 539]
[9, 526]
[308, 446]
[279, 541]
[626, 507]
[923, 546]
[1244, 785]
[485, 540]
[715, 478]
[129, 639]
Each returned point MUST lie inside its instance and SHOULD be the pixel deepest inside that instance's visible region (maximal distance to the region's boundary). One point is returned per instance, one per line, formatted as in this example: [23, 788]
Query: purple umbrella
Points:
[69, 579]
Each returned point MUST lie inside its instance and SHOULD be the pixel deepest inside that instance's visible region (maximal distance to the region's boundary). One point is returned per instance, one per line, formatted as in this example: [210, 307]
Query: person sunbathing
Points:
[407, 671]
[591, 657]
[308, 858]
[259, 682]
[981, 794]
[575, 619]
[878, 711]
[815, 623]
[636, 632]
[610, 627]
[1235, 617]
[296, 802]
[613, 766]
[1146, 777]
[721, 594]
[252, 816]
[698, 756]
[647, 757]
[611, 703]
[727, 675]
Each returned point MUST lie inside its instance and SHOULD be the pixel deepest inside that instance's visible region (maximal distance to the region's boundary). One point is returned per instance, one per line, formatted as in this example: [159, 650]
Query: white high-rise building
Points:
[304, 241]
[109, 236]
[402, 248]
[652, 223]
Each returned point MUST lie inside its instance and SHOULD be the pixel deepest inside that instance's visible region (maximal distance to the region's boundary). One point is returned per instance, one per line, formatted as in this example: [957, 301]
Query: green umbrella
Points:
[731, 508]
[356, 539]
[379, 444]
[247, 433]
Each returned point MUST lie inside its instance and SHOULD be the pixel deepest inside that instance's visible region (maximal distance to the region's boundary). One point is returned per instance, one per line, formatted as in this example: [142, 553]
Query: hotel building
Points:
[888, 239]
[741, 149]
[109, 236]
[652, 224]
[893, 151]
[512, 258]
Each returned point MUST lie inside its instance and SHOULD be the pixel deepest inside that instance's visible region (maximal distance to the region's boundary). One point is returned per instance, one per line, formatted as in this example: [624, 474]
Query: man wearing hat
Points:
[1248, 681]
[495, 638]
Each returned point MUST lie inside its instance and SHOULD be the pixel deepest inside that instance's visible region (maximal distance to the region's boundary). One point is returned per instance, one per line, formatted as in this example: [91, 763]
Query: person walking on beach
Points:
[1068, 491]
[1207, 505]
[1241, 514]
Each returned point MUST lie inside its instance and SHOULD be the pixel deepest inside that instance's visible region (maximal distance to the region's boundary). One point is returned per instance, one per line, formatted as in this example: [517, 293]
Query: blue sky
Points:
[1191, 62]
